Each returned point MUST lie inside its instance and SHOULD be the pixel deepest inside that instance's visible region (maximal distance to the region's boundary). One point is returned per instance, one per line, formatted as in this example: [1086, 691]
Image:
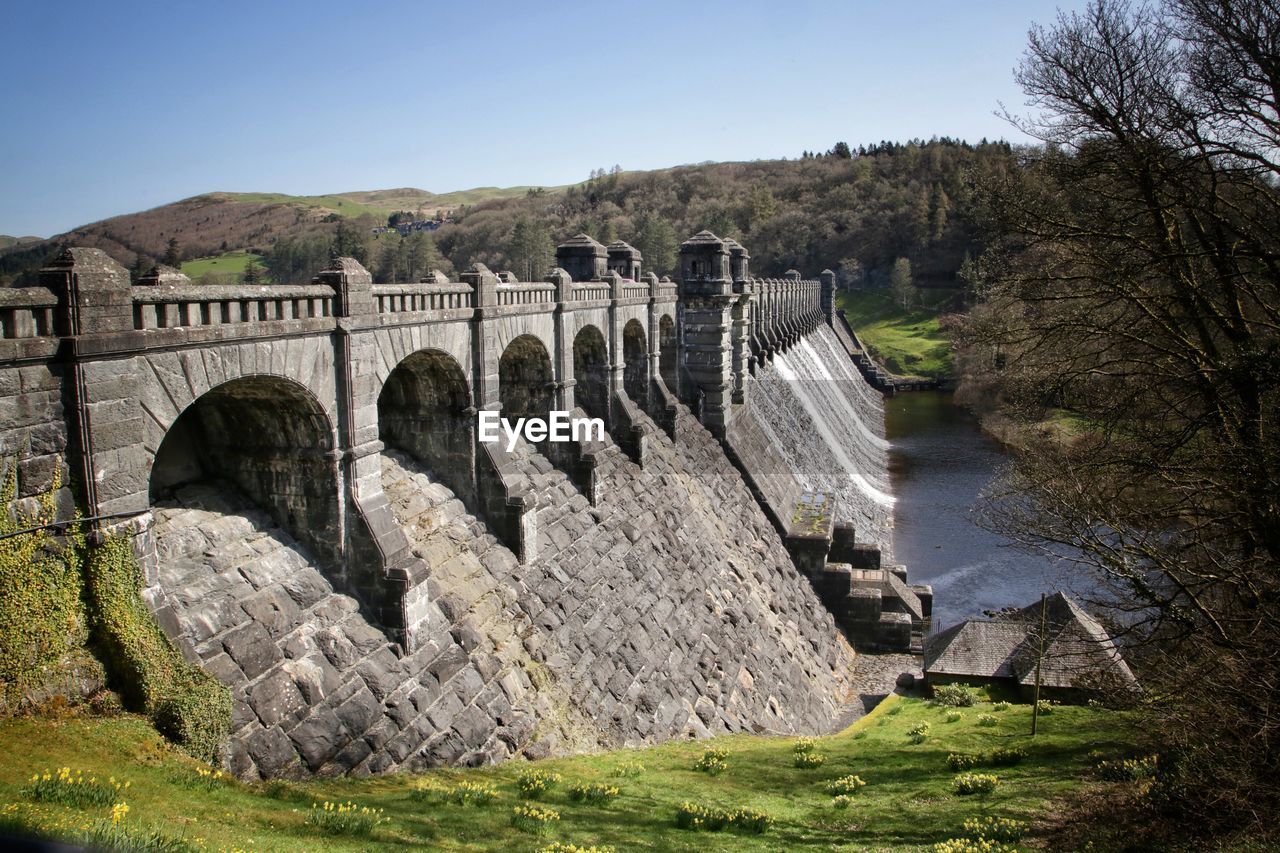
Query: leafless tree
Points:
[1134, 286]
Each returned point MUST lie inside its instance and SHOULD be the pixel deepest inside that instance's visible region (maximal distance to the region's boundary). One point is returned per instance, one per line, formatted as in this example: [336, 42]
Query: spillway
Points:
[828, 425]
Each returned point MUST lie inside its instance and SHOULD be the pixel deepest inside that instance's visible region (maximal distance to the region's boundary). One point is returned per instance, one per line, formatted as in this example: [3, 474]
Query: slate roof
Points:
[976, 647]
[1077, 649]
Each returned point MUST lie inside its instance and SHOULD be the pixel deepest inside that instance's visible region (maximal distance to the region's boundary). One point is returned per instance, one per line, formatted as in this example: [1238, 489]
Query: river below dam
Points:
[939, 462]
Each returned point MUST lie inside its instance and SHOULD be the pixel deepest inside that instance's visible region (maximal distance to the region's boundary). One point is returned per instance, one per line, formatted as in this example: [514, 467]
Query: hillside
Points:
[909, 800]
[214, 223]
[856, 212]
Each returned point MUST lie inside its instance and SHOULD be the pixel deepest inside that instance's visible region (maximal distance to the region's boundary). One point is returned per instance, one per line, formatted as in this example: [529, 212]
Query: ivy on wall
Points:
[42, 614]
[61, 596]
[187, 705]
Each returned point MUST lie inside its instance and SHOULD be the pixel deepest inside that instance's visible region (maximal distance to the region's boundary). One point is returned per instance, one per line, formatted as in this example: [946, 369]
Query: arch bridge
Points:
[291, 392]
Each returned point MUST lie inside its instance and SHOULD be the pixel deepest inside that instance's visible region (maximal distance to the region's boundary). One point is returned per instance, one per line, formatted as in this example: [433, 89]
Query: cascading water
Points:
[828, 424]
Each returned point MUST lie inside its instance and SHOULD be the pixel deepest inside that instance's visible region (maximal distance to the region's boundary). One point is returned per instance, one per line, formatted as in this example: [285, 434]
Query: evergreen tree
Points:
[941, 206]
[530, 249]
[172, 254]
[658, 244]
[901, 284]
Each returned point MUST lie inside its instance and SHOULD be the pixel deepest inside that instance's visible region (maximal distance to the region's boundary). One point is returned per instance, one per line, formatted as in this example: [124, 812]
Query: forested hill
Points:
[861, 211]
[855, 210]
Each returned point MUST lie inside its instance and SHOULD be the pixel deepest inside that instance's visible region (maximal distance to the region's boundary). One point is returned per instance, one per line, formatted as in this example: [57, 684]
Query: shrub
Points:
[749, 820]
[629, 769]
[693, 816]
[953, 695]
[988, 720]
[953, 716]
[69, 788]
[345, 819]
[532, 784]
[533, 819]
[809, 760]
[804, 744]
[1128, 770]
[473, 793]
[428, 790]
[1001, 706]
[959, 761]
[972, 845]
[845, 785]
[204, 778]
[995, 828]
[696, 817]
[713, 762]
[918, 732]
[594, 793]
[1006, 756]
[975, 783]
[841, 801]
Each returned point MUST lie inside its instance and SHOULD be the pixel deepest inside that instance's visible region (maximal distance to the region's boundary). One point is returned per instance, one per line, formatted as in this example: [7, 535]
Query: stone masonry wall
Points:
[670, 609]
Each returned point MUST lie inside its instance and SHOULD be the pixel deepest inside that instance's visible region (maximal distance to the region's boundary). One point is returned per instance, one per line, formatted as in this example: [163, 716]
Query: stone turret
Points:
[624, 259]
[704, 266]
[582, 258]
[707, 302]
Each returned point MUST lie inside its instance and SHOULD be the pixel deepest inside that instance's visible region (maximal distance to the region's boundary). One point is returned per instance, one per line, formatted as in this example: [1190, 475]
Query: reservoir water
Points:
[940, 461]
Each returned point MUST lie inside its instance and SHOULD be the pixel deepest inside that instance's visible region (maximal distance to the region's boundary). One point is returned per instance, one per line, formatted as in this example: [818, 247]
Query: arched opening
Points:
[635, 355]
[591, 372]
[525, 380]
[669, 353]
[270, 438]
[425, 410]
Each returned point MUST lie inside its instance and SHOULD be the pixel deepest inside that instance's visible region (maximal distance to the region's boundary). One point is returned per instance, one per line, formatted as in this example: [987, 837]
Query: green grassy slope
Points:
[228, 263]
[908, 802]
[908, 343]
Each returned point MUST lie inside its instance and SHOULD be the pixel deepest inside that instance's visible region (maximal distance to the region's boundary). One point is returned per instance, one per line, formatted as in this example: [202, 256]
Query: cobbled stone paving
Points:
[669, 610]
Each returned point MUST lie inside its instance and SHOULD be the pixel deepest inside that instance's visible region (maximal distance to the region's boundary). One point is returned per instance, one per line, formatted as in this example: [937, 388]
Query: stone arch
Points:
[272, 439]
[669, 353]
[635, 356]
[526, 383]
[591, 372]
[425, 410]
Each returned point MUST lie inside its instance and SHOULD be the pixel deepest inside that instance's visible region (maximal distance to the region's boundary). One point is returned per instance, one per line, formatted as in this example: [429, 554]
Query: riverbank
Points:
[912, 344]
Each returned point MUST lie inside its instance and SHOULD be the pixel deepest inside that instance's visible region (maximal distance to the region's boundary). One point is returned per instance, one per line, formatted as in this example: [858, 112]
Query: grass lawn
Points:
[907, 803]
[908, 343]
[228, 263]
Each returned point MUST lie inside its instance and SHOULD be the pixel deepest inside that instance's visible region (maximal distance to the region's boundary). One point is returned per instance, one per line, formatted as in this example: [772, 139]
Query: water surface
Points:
[939, 462]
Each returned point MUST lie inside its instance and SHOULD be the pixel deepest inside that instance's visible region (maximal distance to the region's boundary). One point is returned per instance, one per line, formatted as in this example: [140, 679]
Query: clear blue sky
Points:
[113, 107]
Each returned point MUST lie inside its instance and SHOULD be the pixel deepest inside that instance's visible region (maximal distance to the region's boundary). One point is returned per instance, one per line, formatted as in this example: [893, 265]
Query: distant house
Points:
[1079, 660]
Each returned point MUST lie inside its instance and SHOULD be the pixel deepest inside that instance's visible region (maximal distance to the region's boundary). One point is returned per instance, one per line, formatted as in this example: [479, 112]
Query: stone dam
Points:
[321, 529]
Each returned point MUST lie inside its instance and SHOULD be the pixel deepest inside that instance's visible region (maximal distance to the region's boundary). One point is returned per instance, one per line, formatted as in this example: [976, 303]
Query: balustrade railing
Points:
[186, 306]
[26, 312]
[403, 298]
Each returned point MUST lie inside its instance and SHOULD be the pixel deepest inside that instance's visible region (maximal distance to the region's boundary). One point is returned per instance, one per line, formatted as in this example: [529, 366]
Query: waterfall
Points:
[828, 424]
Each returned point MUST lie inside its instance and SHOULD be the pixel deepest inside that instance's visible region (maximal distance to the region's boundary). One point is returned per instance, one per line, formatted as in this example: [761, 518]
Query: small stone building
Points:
[1079, 661]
